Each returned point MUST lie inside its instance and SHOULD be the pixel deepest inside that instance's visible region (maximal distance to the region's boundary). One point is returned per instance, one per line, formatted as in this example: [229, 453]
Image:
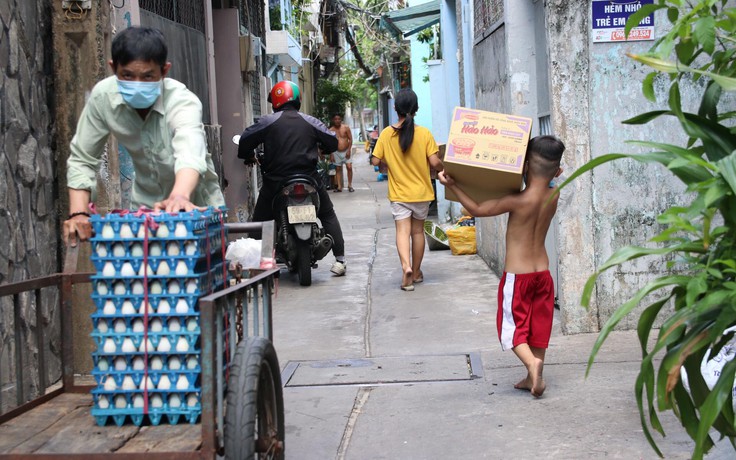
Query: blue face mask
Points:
[139, 94]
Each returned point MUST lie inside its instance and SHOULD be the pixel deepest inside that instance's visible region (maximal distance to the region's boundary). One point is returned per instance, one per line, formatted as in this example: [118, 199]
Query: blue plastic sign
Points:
[609, 21]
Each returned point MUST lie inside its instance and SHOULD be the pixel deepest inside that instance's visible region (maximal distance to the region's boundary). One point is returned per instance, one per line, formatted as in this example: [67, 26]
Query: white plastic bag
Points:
[711, 368]
[245, 251]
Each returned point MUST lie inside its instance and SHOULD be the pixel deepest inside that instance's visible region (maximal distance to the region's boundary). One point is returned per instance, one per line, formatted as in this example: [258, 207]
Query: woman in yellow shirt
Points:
[408, 150]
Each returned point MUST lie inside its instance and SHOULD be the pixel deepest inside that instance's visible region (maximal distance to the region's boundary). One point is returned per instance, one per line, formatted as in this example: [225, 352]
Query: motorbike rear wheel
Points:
[304, 262]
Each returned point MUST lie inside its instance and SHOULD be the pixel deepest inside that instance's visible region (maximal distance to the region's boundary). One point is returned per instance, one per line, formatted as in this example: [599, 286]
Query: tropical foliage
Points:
[697, 301]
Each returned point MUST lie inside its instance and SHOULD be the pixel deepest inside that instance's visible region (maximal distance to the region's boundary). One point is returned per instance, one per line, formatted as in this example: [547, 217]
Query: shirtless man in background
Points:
[344, 148]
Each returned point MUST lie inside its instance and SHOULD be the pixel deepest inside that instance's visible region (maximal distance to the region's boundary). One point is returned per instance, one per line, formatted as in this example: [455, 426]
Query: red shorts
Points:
[526, 306]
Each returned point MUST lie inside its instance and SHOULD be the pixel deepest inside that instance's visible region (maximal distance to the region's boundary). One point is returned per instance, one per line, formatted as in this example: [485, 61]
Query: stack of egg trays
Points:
[178, 262]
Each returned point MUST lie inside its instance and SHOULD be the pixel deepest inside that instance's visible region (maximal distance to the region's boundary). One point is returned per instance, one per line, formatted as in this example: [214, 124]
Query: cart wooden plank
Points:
[21, 429]
[165, 438]
[64, 425]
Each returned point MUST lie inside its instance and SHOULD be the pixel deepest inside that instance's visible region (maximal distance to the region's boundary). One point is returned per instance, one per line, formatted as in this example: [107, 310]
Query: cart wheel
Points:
[304, 262]
[254, 421]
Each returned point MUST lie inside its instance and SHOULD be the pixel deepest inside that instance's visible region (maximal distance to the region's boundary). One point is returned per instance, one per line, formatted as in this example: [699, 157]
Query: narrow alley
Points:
[372, 372]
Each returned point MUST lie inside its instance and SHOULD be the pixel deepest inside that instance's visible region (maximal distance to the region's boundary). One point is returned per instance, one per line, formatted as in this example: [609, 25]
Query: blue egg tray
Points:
[188, 224]
[155, 338]
[128, 358]
[154, 301]
[155, 416]
[197, 246]
[197, 285]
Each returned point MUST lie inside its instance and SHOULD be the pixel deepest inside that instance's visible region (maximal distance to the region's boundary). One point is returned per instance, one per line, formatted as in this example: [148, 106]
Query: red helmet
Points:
[283, 92]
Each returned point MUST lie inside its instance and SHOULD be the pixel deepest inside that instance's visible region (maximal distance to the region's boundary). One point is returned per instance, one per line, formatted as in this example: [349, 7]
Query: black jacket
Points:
[290, 140]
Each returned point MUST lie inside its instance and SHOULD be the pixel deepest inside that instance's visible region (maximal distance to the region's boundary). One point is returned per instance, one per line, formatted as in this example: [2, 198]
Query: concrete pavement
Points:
[372, 372]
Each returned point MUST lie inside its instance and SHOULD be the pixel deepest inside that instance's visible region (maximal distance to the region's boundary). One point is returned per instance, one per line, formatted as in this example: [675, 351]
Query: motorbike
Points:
[300, 240]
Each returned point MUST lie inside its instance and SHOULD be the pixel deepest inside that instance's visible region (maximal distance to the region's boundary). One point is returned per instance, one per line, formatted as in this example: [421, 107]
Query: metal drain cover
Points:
[377, 371]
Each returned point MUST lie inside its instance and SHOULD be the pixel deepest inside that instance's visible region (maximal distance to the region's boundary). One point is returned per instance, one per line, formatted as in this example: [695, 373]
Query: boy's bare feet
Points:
[535, 372]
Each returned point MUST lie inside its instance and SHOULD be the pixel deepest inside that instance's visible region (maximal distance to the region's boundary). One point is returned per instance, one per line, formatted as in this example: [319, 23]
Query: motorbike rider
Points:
[291, 140]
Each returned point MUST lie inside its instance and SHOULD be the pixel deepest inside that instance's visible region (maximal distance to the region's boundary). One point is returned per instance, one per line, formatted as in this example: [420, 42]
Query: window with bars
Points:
[186, 12]
[487, 13]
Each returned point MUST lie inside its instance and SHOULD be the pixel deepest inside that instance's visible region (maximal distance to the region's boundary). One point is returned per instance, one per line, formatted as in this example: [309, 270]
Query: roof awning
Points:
[408, 21]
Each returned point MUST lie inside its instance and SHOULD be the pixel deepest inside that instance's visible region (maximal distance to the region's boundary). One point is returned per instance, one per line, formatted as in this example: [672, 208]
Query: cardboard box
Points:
[485, 153]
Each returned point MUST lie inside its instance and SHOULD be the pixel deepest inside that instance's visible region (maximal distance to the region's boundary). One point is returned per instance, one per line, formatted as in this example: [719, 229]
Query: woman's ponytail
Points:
[406, 106]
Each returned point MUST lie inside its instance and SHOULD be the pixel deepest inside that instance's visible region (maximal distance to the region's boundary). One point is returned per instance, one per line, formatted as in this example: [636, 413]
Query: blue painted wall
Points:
[419, 70]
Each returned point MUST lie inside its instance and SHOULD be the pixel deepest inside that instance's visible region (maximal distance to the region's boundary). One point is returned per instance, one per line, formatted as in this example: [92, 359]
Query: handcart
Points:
[242, 412]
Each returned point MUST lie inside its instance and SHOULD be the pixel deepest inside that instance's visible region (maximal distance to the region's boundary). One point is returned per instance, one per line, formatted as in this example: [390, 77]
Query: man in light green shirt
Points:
[158, 121]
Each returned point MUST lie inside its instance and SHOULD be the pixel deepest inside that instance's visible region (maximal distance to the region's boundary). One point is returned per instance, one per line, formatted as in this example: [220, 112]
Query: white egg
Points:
[180, 230]
[164, 346]
[101, 250]
[181, 268]
[154, 249]
[157, 363]
[174, 400]
[146, 384]
[191, 286]
[103, 365]
[127, 308]
[137, 325]
[192, 362]
[164, 383]
[109, 346]
[108, 269]
[182, 306]
[163, 231]
[138, 401]
[155, 325]
[190, 248]
[120, 402]
[136, 250]
[128, 346]
[103, 403]
[119, 326]
[172, 248]
[127, 270]
[174, 363]
[155, 288]
[136, 288]
[182, 345]
[146, 270]
[118, 250]
[173, 287]
[145, 306]
[174, 325]
[142, 231]
[128, 383]
[192, 400]
[182, 383]
[191, 324]
[163, 269]
[157, 401]
[164, 308]
[119, 288]
[101, 288]
[146, 345]
[138, 363]
[125, 231]
[120, 364]
[110, 384]
[107, 232]
[102, 325]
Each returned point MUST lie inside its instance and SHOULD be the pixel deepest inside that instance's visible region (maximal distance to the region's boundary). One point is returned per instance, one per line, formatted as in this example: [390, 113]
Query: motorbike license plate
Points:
[302, 214]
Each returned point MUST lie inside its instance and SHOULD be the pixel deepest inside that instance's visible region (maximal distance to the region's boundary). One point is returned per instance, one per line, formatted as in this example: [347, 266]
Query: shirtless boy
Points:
[342, 155]
[526, 292]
